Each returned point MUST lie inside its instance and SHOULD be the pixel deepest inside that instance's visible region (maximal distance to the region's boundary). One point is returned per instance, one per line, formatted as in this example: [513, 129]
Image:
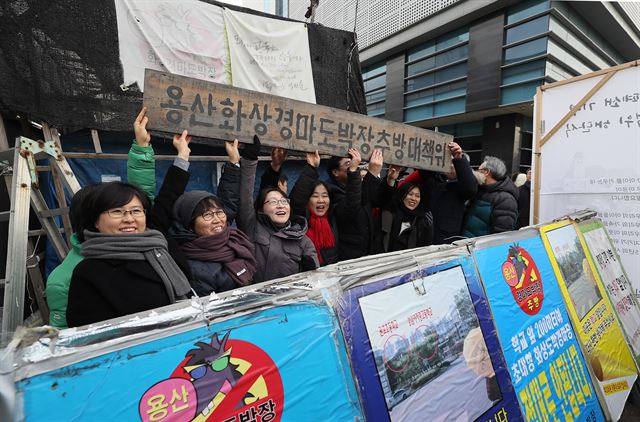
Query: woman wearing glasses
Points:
[220, 257]
[127, 265]
[281, 247]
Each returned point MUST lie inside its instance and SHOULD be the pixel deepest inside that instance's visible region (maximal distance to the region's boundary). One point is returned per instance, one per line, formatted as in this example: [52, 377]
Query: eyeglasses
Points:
[275, 202]
[199, 371]
[208, 215]
[121, 212]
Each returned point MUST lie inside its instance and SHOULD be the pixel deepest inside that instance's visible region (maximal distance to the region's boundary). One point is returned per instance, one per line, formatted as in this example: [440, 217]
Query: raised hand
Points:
[181, 144]
[375, 162]
[278, 157]
[143, 138]
[456, 150]
[313, 159]
[393, 174]
[232, 151]
[355, 159]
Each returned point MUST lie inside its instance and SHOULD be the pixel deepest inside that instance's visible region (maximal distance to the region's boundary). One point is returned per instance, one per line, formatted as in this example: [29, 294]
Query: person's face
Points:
[127, 219]
[341, 172]
[529, 175]
[211, 222]
[412, 199]
[484, 171]
[277, 208]
[319, 201]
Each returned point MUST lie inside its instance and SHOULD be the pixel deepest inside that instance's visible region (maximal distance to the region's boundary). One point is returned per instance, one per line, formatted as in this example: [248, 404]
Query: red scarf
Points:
[320, 233]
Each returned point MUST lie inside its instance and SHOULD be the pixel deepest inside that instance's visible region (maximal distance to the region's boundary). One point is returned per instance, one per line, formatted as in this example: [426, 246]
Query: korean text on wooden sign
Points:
[212, 110]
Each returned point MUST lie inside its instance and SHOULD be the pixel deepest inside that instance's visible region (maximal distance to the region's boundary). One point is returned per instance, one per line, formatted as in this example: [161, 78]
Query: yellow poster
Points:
[591, 314]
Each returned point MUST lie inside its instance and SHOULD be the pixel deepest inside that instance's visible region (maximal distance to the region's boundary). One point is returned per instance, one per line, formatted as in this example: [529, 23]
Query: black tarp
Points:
[59, 63]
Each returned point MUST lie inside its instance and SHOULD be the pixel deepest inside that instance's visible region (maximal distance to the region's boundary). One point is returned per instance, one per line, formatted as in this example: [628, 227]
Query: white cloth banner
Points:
[184, 38]
[270, 56]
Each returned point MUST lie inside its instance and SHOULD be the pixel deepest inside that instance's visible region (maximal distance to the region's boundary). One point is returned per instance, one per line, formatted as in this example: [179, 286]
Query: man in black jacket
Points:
[363, 237]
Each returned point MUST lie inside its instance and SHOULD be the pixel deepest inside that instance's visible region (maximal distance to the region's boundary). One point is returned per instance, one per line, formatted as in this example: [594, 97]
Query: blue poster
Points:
[423, 347]
[540, 347]
[286, 363]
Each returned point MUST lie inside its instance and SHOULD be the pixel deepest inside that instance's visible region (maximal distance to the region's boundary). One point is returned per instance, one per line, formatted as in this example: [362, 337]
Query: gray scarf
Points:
[150, 246]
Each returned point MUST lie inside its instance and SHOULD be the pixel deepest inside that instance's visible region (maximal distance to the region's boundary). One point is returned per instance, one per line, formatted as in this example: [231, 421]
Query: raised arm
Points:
[271, 175]
[388, 187]
[174, 184]
[303, 189]
[467, 185]
[141, 162]
[229, 184]
[350, 205]
[246, 219]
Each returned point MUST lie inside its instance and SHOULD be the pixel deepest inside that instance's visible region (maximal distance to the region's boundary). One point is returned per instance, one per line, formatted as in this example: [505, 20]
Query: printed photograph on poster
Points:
[433, 339]
[579, 278]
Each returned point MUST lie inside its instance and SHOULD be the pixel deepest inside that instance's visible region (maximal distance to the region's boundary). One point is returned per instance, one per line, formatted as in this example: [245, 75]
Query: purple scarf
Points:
[231, 247]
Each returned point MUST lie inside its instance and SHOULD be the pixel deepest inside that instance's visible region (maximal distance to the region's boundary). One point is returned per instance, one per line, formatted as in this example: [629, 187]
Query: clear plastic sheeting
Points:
[422, 342]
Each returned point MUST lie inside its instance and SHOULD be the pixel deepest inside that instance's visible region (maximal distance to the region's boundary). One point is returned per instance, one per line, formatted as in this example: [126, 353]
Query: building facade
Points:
[471, 67]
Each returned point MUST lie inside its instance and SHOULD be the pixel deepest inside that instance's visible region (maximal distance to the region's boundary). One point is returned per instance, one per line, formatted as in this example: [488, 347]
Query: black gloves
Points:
[250, 151]
[307, 263]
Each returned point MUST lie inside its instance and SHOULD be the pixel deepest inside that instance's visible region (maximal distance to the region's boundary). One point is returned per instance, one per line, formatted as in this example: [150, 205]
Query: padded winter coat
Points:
[279, 252]
[494, 210]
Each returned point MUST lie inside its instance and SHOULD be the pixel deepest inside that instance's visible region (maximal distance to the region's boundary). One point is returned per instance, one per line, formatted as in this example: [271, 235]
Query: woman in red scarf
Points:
[310, 198]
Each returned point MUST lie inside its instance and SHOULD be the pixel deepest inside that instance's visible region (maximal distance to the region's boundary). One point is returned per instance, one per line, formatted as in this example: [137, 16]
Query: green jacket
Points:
[57, 290]
[141, 168]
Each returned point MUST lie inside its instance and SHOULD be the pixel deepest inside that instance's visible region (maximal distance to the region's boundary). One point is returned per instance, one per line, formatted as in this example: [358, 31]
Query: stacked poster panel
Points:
[423, 346]
[285, 363]
[615, 280]
[592, 314]
[543, 356]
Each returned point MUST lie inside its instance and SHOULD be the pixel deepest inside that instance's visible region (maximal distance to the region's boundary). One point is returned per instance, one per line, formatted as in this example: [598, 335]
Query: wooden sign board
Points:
[213, 110]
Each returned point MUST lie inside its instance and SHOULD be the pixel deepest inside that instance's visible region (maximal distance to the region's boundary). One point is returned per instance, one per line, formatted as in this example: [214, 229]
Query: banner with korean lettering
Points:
[185, 38]
[286, 363]
[545, 362]
[212, 110]
[615, 280]
[423, 347]
[591, 313]
[270, 55]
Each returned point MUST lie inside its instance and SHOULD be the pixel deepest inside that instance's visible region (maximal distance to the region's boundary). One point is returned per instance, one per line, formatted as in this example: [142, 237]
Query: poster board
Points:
[615, 281]
[586, 131]
[423, 346]
[591, 313]
[546, 364]
[283, 363]
[212, 110]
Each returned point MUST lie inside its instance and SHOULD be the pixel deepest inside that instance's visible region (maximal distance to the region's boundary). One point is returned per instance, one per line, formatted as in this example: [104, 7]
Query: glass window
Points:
[523, 72]
[376, 112]
[418, 113]
[519, 93]
[421, 66]
[420, 82]
[452, 72]
[452, 38]
[525, 9]
[469, 129]
[525, 51]
[375, 83]
[450, 90]
[374, 70]
[449, 107]
[527, 30]
[452, 55]
[375, 109]
[373, 97]
[447, 40]
[422, 50]
[419, 98]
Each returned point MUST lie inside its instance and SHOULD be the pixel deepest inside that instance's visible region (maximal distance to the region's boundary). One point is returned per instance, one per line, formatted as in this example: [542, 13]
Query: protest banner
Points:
[615, 280]
[591, 313]
[586, 131]
[423, 345]
[283, 363]
[545, 361]
[212, 110]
